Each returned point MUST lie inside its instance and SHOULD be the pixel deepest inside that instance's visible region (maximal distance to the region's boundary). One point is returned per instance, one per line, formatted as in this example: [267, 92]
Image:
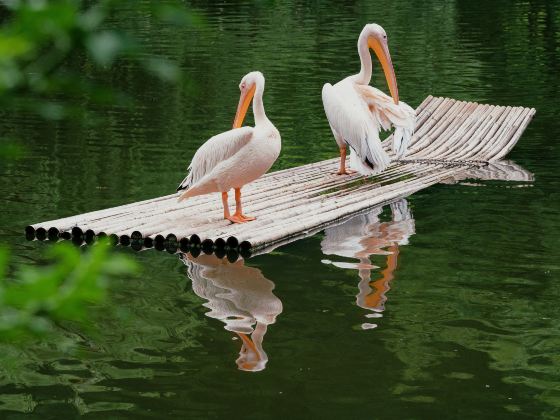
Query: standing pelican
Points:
[238, 156]
[357, 111]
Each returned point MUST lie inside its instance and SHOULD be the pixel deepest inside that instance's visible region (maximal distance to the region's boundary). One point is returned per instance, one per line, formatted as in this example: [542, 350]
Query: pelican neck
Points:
[258, 105]
[364, 76]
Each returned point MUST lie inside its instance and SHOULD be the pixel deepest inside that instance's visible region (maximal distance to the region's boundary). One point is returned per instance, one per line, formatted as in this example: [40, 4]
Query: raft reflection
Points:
[239, 296]
[363, 236]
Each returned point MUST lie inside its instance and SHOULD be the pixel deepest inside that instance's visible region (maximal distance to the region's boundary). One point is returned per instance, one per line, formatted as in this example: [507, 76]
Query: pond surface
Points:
[444, 305]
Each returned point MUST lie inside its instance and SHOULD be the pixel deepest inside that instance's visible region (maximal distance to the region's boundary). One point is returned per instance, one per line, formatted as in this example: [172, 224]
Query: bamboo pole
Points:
[477, 139]
[518, 127]
[447, 121]
[474, 123]
[467, 118]
[487, 122]
[432, 120]
[493, 135]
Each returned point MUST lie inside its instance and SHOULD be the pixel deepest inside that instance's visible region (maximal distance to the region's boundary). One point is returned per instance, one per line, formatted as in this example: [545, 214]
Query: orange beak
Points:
[244, 102]
[382, 52]
[249, 347]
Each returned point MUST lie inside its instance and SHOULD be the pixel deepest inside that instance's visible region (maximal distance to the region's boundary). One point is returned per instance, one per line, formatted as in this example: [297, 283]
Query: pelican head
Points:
[248, 86]
[376, 39]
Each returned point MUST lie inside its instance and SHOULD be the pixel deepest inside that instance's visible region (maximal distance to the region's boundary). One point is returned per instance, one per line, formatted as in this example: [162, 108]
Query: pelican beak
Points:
[249, 356]
[244, 102]
[382, 52]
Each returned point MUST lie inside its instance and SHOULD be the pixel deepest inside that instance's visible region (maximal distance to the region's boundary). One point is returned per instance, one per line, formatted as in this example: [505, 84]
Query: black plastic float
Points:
[184, 244]
[41, 234]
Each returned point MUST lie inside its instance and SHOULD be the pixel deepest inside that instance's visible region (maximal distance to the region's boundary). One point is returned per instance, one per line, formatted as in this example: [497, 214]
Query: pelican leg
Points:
[342, 170]
[227, 214]
[238, 209]
[226, 205]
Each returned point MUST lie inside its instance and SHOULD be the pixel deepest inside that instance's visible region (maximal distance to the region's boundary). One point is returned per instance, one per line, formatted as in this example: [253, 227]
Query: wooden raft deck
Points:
[451, 137]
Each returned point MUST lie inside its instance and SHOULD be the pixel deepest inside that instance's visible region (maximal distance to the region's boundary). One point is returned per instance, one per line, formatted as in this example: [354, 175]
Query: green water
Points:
[460, 322]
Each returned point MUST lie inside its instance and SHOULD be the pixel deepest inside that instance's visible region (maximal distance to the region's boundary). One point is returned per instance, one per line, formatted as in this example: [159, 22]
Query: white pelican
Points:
[357, 111]
[238, 156]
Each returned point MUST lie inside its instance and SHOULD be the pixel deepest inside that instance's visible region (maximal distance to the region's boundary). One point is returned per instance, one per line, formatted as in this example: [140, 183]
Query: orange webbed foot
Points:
[345, 172]
[240, 218]
[236, 219]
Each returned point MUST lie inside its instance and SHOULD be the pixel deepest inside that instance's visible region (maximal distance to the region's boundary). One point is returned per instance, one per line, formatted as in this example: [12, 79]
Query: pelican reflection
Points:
[239, 296]
[363, 236]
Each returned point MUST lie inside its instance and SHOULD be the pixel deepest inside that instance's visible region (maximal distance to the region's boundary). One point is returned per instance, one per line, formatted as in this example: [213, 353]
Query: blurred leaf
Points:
[51, 111]
[40, 43]
[104, 46]
[4, 256]
[63, 290]
[12, 46]
[178, 15]
[92, 18]
[163, 69]
[10, 150]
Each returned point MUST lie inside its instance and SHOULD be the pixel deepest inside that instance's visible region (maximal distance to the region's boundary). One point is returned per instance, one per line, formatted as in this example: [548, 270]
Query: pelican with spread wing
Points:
[238, 156]
[357, 112]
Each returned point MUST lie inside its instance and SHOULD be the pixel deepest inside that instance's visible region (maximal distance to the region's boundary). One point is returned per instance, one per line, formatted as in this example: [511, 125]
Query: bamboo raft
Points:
[451, 138]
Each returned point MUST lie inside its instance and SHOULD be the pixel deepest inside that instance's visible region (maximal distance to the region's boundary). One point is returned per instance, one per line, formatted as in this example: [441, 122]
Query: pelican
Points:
[357, 111]
[238, 156]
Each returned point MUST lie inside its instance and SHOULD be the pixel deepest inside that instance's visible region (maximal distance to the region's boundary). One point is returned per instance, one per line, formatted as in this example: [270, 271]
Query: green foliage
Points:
[10, 150]
[40, 38]
[40, 44]
[38, 297]
[38, 41]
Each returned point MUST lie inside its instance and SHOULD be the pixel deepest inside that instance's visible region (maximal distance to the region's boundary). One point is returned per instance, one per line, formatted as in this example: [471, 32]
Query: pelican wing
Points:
[388, 115]
[348, 117]
[217, 149]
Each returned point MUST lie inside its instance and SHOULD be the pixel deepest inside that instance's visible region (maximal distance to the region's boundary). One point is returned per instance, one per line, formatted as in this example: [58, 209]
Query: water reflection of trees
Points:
[239, 296]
